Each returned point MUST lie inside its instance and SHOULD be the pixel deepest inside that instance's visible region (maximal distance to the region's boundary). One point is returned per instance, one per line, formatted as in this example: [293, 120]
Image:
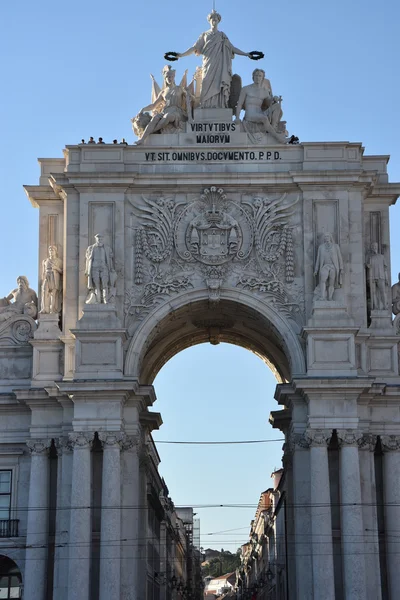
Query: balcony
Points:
[8, 528]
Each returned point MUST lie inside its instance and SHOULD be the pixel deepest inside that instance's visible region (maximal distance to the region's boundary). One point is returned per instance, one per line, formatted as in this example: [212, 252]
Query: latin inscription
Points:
[213, 155]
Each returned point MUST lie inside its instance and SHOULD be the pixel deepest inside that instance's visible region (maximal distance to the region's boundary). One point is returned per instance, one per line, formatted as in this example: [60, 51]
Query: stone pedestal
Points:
[321, 519]
[381, 322]
[99, 343]
[47, 351]
[110, 544]
[37, 526]
[80, 526]
[353, 540]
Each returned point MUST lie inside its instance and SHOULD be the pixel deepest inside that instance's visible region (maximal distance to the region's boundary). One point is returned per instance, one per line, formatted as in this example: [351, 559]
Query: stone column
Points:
[391, 479]
[369, 510]
[80, 536]
[130, 501]
[300, 548]
[352, 528]
[110, 544]
[321, 518]
[64, 474]
[37, 526]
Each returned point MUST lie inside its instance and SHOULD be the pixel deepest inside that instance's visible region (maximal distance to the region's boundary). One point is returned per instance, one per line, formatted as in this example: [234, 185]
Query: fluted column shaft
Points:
[110, 544]
[391, 461]
[353, 539]
[321, 518]
[37, 525]
[80, 525]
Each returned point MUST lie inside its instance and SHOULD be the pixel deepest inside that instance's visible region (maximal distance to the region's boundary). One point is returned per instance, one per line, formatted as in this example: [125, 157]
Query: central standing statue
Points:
[218, 53]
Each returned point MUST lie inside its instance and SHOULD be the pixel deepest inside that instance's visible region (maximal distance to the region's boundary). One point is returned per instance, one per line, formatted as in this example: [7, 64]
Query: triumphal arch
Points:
[217, 225]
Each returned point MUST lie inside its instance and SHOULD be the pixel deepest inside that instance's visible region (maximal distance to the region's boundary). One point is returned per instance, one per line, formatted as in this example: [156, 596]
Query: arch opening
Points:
[235, 321]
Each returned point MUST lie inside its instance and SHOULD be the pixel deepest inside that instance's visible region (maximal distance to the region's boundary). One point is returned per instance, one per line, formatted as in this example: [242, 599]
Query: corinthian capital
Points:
[297, 440]
[131, 442]
[390, 443]
[38, 447]
[80, 439]
[63, 446]
[350, 437]
[111, 439]
[318, 437]
[368, 442]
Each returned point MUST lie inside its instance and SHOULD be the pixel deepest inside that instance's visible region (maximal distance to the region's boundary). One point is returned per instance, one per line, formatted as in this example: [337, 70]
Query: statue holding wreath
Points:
[217, 52]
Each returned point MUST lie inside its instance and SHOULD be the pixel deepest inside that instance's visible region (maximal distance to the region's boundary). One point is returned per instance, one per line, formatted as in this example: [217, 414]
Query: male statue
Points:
[52, 269]
[378, 279]
[24, 301]
[396, 297]
[329, 267]
[256, 99]
[100, 272]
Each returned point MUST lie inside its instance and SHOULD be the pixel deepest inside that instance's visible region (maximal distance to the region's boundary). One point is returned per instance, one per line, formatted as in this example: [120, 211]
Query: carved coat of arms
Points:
[213, 231]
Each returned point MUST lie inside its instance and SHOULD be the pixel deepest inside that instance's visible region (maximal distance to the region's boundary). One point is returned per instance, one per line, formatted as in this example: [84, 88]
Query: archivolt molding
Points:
[275, 331]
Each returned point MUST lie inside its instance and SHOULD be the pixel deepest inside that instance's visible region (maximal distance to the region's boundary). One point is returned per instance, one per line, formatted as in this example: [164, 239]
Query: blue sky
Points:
[76, 69]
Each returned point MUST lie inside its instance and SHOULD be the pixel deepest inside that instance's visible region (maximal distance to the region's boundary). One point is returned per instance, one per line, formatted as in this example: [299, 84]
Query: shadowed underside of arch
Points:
[191, 320]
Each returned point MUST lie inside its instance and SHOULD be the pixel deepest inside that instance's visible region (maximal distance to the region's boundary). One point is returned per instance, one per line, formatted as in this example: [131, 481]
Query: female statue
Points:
[218, 53]
[170, 106]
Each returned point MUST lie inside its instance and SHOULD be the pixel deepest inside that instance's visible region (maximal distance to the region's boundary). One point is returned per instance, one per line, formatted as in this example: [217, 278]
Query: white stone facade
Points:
[215, 243]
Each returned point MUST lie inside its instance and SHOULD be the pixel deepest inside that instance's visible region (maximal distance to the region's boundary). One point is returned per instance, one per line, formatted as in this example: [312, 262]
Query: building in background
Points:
[264, 570]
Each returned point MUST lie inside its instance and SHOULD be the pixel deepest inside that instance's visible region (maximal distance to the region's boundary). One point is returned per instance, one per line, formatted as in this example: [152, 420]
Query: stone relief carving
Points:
[21, 300]
[263, 111]
[217, 52]
[213, 231]
[378, 279]
[328, 268]
[52, 269]
[100, 273]
[171, 107]
[214, 241]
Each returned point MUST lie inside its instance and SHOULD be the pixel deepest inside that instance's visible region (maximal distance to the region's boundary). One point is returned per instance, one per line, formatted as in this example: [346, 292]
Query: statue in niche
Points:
[378, 279]
[396, 297]
[52, 269]
[328, 267]
[217, 52]
[21, 300]
[170, 108]
[263, 111]
[100, 273]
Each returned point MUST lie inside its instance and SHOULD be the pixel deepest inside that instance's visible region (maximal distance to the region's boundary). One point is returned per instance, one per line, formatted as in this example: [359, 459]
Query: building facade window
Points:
[5, 494]
[10, 579]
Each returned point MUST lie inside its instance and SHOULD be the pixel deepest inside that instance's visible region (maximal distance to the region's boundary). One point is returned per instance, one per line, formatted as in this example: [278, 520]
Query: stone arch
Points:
[10, 577]
[190, 319]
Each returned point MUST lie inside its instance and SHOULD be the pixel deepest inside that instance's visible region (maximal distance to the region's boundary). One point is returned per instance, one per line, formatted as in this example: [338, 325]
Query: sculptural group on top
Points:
[213, 86]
